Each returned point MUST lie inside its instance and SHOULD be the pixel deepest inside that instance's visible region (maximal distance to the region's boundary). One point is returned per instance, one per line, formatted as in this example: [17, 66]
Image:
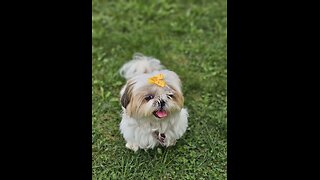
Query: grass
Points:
[189, 37]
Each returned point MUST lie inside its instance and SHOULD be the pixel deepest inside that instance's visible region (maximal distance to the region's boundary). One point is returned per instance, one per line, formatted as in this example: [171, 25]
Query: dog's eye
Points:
[170, 96]
[148, 97]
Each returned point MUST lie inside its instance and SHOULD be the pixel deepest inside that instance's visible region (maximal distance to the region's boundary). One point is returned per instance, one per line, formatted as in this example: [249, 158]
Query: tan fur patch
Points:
[178, 97]
[127, 95]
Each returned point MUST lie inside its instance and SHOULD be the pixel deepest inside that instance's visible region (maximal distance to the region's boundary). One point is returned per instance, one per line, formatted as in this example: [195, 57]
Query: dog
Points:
[152, 104]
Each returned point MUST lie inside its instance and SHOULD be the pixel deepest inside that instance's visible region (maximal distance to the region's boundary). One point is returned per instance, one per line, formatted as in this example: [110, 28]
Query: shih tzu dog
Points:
[152, 104]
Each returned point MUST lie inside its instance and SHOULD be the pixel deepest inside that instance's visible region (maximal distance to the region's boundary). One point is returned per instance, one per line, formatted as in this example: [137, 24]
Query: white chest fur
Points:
[139, 133]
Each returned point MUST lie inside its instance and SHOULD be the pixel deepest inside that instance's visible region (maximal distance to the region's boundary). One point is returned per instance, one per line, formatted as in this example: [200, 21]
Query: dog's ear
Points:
[127, 94]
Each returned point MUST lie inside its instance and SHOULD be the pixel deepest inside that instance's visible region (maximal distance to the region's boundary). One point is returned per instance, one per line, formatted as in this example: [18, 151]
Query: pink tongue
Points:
[161, 113]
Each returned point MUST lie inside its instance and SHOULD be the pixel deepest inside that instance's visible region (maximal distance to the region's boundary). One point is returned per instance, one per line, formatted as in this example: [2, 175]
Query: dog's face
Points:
[144, 100]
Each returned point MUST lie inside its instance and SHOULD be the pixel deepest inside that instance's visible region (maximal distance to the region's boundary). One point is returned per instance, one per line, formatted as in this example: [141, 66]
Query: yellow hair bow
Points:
[158, 80]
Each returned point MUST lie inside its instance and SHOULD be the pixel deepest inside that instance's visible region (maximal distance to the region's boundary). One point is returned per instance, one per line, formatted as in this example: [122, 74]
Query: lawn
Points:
[190, 38]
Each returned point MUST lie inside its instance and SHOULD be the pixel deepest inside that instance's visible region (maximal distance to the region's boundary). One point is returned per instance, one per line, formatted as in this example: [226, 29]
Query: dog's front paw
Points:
[171, 142]
[132, 146]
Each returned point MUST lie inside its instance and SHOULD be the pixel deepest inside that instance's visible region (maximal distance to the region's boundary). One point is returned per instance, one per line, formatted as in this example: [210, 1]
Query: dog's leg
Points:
[171, 143]
[132, 146]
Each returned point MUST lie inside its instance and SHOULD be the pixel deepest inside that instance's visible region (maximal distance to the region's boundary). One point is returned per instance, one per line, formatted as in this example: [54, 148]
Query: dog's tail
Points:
[140, 64]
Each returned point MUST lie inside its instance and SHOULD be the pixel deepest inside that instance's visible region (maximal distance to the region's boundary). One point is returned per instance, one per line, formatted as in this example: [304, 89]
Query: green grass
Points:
[189, 37]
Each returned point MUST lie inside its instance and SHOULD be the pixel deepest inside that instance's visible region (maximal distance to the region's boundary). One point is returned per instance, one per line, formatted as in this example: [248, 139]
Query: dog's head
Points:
[155, 95]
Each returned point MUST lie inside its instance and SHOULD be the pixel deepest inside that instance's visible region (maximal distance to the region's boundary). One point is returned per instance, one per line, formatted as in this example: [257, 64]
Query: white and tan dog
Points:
[152, 104]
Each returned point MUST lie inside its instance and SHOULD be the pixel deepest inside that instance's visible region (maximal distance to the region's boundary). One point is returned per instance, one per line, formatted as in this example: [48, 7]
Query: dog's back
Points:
[140, 64]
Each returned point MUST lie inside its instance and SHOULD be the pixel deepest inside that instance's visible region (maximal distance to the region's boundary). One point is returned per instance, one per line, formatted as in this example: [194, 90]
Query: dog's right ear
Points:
[127, 94]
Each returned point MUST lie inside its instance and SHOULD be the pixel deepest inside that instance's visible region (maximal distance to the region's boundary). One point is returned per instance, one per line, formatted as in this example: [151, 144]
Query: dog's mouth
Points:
[160, 113]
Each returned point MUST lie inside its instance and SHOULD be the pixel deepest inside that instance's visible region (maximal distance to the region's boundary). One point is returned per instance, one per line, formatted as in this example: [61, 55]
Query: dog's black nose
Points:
[162, 103]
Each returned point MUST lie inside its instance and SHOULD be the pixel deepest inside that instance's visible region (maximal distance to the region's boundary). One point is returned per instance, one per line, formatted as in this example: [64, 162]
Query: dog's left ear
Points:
[127, 94]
